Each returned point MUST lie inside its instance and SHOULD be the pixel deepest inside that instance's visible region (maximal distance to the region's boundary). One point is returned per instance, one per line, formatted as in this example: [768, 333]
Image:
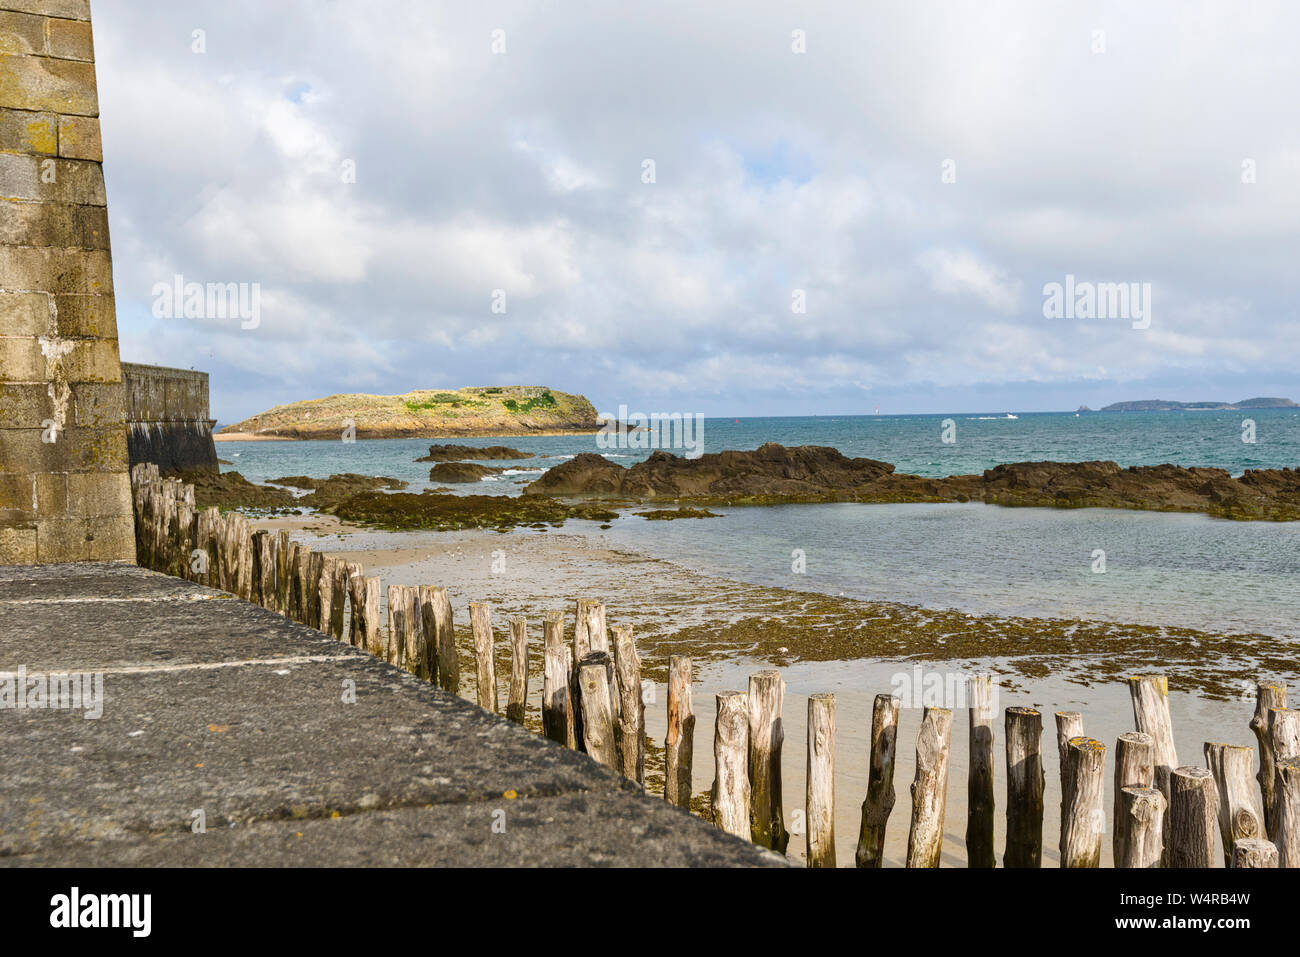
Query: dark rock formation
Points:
[460, 472]
[459, 453]
[774, 474]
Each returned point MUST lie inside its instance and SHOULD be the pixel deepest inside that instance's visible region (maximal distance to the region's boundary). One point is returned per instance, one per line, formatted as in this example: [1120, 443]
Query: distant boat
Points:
[1010, 416]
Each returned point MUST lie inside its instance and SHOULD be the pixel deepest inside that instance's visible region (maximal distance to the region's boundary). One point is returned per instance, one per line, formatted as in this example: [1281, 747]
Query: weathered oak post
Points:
[356, 599]
[443, 644]
[395, 642]
[930, 788]
[1025, 781]
[1084, 820]
[283, 571]
[337, 570]
[1190, 838]
[679, 742]
[1241, 813]
[879, 802]
[1134, 768]
[518, 698]
[631, 710]
[979, 782]
[820, 780]
[557, 713]
[1268, 695]
[480, 620]
[1286, 796]
[766, 738]
[269, 569]
[730, 760]
[1069, 724]
[1141, 840]
[1254, 852]
[597, 718]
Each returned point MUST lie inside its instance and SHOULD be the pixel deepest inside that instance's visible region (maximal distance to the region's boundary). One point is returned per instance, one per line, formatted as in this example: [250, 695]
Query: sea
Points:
[1152, 568]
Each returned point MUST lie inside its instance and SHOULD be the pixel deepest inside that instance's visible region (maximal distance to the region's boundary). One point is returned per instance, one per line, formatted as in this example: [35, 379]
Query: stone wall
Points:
[64, 489]
[167, 419]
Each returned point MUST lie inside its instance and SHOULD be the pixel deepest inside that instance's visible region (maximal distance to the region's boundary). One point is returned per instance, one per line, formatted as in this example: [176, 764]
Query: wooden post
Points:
[679, 743]
[1024, 728]
[1150, 696]
[1069, 724]
[395, 640]
[597, 638]
[597, 720]
[820, 780]
[205, 542]
[1134, 768]
[929, 789]
[325, 593]
[1141, 843]
[300, 557]
[730, 759]
[337, 570]
[1085, 821]
[415, 650]
[1284, 733]
[631, 709]
[879, 802]
[1286, 797]
[518, 698]
[371, 636]
[480, 620]
[557, 713]
[356, 599]
[1241, 813]
[440, 632]
[979, 781]
[268, 565]
[1253, 852]
[244, 584]
[185, 515]
[1190, 839]
[766, 738]
[1268, 695]
[283, 571]
[315, 569]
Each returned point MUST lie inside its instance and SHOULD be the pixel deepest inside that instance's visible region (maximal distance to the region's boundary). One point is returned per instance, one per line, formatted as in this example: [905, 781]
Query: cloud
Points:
[775, 172]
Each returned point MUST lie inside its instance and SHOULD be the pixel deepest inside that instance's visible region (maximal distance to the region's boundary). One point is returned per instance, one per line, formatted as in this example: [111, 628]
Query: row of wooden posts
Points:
[1163, 814]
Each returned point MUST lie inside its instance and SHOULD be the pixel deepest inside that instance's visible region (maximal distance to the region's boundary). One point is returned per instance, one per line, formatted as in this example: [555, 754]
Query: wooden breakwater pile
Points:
[1162, 814]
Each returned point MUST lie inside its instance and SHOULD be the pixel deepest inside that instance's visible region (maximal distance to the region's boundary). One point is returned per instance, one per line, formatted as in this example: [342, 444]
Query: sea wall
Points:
[65, 494]
[167, 419]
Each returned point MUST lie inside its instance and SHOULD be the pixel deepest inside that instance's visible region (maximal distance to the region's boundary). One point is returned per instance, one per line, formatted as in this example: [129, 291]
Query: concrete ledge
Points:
[298, 749]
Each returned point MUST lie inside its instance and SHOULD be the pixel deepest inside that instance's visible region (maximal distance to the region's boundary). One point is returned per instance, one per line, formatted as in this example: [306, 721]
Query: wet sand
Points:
[852, 648]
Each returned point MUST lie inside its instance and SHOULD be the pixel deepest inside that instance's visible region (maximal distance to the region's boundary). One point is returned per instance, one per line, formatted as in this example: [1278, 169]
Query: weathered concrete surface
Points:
[64, 490]
[167, 419]
[213, 704]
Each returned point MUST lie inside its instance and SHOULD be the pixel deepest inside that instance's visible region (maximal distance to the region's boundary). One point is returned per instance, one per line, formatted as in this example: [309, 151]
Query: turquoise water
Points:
[1172, 569]
[912, 442]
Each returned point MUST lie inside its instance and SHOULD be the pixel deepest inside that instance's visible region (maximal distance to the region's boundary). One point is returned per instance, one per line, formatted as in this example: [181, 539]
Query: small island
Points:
[1163, 405]
[468, 412]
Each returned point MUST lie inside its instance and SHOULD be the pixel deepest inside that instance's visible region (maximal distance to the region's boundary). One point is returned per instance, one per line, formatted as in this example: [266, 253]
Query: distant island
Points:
[1162, 405]
[468, 412]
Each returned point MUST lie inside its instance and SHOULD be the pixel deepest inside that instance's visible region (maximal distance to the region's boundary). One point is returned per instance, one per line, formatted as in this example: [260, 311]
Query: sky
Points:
[440, 194]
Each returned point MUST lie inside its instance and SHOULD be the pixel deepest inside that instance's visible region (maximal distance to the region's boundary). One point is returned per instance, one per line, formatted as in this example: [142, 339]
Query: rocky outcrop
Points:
[493, 410]
[336, 488]
[459, 453]
[807, 471]
[774, 474]
[459, 473]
